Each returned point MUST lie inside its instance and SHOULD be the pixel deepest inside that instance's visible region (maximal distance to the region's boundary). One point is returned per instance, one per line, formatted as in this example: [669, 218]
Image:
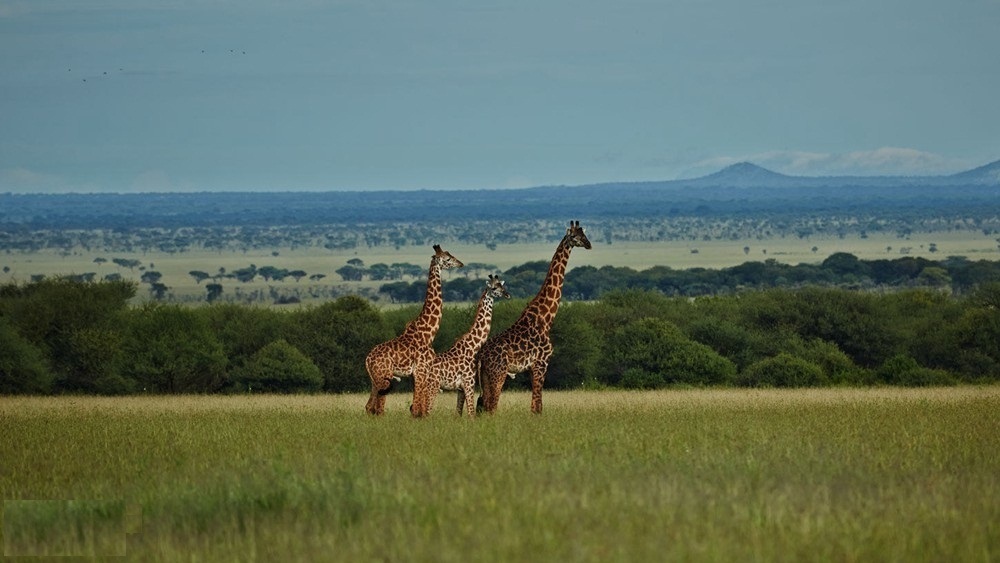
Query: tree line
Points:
[68, 336]
[956, 274]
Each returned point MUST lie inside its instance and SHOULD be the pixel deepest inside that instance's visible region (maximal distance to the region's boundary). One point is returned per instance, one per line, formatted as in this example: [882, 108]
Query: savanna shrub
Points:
[170, 349]
[783, 370]
[638, 378]
[904, 370]
[659, 347]
[576, 353]
[278, 367]
[22, 365]
[337, 336]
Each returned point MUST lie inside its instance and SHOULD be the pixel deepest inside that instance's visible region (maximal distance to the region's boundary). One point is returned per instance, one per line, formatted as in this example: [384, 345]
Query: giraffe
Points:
[410, 354]
[455, 369]
[526, 344]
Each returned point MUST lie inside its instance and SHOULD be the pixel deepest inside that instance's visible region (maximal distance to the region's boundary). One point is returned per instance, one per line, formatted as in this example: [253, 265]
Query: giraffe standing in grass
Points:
[410, 354]
[455, 369]
[526, 344]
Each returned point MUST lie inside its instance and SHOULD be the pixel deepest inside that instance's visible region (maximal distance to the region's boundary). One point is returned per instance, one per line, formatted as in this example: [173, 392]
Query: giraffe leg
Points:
[492, 386]
[376, 402]
[465, 396]
[421, 391]
[538, 370]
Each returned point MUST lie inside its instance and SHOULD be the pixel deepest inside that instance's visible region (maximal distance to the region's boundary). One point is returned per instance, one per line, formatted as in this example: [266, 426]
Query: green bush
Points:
[170, 349]
[659, 347]
[23, 369]
[638, 378]
[337, 336]
[243, 330]
[577, 350]
[49, 313]
[279, 367]
[783, 370]
[904, 370]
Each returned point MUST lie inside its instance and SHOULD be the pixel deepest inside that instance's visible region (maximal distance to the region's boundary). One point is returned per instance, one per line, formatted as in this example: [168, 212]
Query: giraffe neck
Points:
[542, 309]
[425, 326]
[480, 330]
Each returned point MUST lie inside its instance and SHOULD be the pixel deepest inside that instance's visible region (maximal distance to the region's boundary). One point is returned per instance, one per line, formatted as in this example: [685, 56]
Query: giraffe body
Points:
[526, 345]
[410, 354]
[455, 370]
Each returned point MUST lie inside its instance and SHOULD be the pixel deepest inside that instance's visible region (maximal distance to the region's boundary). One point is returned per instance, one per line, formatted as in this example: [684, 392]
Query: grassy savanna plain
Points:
[878, 474]
[637, 255]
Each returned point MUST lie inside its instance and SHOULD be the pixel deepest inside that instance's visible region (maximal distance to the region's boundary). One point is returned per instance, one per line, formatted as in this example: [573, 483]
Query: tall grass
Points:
[876, 474]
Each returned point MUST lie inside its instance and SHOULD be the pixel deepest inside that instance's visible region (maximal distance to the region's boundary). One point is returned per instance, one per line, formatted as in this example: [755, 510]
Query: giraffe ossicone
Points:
[410, 354]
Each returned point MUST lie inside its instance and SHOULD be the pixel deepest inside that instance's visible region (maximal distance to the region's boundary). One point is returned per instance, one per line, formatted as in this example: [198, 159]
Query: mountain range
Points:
[749, 175]
[742, 188]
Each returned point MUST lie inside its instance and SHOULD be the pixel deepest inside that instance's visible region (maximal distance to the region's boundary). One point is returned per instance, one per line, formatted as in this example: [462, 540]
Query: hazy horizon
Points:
[190, 95]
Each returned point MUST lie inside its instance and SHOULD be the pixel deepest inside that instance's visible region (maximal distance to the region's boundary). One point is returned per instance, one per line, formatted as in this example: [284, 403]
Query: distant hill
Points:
[740, 189]
[749, 175]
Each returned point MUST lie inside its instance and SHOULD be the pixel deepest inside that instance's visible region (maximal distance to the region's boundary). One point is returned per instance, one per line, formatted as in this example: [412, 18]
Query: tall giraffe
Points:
[526, 344]
[455, 369]
[410, 354]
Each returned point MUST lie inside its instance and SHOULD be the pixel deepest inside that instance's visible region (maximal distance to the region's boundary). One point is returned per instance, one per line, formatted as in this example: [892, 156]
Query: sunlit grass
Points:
[830, 474]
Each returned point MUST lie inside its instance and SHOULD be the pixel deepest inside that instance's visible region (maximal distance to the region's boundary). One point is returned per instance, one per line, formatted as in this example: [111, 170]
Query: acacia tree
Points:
[199, 276]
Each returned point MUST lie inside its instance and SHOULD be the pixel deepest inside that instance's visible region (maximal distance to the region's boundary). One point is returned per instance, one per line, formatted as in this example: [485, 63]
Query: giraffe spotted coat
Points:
[410, 354]
[526, 344]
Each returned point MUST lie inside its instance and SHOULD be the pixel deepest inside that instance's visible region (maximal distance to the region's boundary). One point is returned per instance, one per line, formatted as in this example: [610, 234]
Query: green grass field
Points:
[730, 475]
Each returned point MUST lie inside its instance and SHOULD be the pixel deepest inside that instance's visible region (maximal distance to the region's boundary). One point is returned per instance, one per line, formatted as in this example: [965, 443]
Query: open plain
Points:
[869, 474]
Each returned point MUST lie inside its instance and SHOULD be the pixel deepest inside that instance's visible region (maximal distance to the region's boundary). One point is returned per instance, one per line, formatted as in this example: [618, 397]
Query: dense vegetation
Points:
[842, 269]
[67, 336]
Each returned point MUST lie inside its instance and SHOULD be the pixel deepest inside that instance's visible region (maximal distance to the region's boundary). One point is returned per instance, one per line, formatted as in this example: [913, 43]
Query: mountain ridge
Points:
[750, 175]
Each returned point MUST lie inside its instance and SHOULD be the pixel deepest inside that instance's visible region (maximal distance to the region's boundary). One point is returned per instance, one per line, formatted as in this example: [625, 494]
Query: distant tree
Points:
[99, 261]
[129, 263]
[379, 272]
[199, 276]
[317, 277]
[298, 275]
[746, 250]
[214, 291]
[244, 275]
[150, 277]
[350, 272]
[269, 272]
[159, 290]
[934, 276]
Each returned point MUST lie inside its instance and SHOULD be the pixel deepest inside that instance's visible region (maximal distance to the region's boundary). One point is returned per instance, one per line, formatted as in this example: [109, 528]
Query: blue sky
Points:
[181, 95]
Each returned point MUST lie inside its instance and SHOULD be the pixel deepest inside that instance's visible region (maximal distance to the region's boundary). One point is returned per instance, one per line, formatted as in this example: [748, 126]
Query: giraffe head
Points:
[445, 260]
[496, 288]
[575, 236]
